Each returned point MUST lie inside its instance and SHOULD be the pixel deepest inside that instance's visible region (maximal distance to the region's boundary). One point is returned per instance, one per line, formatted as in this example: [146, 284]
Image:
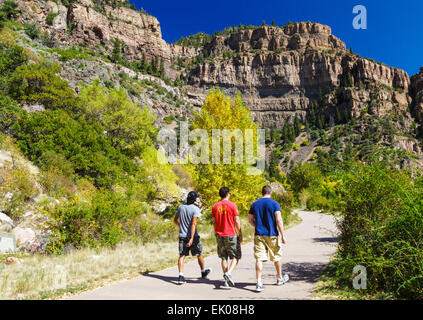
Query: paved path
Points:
[309, 248]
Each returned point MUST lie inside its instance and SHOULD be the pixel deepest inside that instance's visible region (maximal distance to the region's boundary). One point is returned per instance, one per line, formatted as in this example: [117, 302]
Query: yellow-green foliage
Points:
[129, 127]
[221, 112]
[160, 175]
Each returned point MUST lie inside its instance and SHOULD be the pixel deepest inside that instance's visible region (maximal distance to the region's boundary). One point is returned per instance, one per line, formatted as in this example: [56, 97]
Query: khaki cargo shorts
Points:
[228, 247]
[265, 247]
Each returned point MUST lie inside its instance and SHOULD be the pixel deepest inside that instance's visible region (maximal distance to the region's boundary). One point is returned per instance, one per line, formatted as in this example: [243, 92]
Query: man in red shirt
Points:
[225, 219]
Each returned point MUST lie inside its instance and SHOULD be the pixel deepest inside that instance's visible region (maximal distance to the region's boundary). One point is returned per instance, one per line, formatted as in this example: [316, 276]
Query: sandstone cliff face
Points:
[280, 71]
[82, 22]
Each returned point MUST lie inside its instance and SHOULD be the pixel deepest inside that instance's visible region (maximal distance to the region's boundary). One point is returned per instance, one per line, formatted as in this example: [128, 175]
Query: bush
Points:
[11, 57]
[9, 113]
[79, 142]
[8, 11]
[32, 30]
[303, 175]
[98, 221]
[38, 83]
[129, 127]
[50, 17]
[382, 229]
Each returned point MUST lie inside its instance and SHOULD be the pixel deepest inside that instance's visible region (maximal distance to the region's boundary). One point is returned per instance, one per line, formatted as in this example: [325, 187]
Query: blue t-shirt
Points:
[263, 211]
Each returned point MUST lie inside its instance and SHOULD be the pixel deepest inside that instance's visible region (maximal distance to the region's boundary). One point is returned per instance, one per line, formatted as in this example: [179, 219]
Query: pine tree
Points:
[273, 23]
[297, 125]
[162, 68]
[338, 116]
[154, 63]
[143, 63]
[351, 50]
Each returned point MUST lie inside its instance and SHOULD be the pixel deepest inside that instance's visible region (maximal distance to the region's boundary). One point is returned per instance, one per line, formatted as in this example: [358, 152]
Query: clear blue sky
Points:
[394, 32]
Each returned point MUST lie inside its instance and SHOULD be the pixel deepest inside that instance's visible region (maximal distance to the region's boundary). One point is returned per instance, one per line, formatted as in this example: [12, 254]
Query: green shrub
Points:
[79, 142]
[38, 83]
[11, 57]
[303, 175]
[32, 30]
[382, 229]
[129, 127]
[8, 11]
[106, 218]
[9, 113]
[50, 17]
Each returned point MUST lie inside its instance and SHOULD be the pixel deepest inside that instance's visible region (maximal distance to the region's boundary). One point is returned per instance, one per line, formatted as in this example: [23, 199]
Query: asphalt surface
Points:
[308, 250]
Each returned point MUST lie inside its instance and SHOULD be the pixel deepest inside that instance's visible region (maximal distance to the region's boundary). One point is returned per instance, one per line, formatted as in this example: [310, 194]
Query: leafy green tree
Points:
[129, 128]
[303, 176]
[38, 83]
[220, 112]
[79, 142]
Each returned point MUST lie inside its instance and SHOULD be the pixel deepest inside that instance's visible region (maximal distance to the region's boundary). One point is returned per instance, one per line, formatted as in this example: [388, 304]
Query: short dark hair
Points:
[192, 196]
[266, 190]
[223, 192]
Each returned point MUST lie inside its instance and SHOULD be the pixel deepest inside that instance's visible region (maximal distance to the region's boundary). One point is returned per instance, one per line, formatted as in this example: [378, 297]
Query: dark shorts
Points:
[196, 248]
[228, 247]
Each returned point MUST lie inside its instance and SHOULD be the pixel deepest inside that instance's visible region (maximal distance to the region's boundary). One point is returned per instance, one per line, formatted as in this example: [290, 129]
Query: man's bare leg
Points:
[201, 262]
[234, 263]
[224, 264]
[259, 269]
[278, 267]
[181, 264]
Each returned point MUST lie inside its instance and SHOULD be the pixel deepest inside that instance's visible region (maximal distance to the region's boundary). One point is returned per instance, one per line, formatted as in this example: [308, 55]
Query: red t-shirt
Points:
[224, 212]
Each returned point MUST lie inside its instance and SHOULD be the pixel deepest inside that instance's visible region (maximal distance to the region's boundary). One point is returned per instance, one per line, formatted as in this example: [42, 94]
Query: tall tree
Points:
[221, 112]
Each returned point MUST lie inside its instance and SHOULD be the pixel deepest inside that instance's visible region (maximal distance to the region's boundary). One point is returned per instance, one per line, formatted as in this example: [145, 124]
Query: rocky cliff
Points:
[97, 24]
[280, 71]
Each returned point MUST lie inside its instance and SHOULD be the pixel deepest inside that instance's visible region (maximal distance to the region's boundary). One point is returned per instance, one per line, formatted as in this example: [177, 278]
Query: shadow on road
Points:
[327, 239]
[305, 271]
[218, 284]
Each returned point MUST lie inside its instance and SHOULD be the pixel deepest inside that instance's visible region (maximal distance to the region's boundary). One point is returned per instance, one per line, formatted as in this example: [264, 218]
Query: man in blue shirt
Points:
[265, 216]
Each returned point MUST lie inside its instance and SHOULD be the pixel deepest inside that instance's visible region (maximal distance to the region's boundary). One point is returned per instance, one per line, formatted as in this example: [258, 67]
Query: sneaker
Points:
[206, 273]
[181, 280]
[259, 287]
[228, 278]
[282, 281]
[226, 285]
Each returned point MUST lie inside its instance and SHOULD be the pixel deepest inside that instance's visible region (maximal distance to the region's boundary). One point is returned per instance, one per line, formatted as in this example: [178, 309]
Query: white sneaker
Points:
[259, 287]
[285, 279]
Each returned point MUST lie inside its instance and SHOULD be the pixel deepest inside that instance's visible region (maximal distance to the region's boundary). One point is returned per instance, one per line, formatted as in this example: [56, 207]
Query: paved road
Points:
[309, 248]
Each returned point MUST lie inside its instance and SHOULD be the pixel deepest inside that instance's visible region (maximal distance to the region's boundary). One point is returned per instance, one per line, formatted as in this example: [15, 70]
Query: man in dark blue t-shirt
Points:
[265, 216]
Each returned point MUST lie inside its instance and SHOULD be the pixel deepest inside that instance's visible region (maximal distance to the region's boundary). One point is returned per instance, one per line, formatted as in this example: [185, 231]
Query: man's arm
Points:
[176, 221]
[193, 226]
[279, 222]
[214, 224]
[237, 221]
[251, 220]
